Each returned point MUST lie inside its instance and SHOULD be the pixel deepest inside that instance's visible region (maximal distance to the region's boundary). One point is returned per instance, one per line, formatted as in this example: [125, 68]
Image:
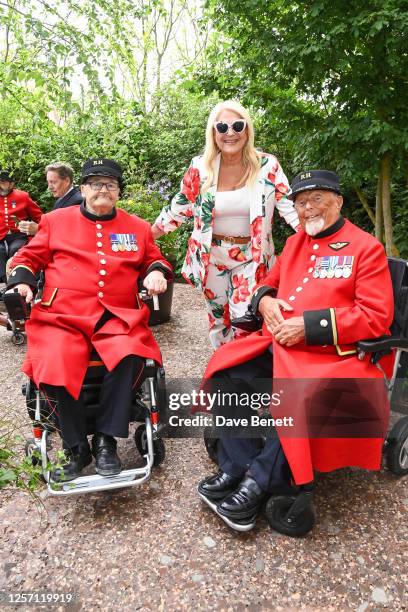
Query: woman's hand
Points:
[155, 282]
[156, 232]
[270, 309]
[25, 291]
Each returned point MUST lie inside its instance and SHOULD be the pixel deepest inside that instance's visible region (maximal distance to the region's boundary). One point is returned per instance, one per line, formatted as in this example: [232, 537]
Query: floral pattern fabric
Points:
[229, 285]
[267, 192]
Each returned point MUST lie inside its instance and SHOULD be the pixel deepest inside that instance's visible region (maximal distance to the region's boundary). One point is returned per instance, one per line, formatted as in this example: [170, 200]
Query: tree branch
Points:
[365, 204]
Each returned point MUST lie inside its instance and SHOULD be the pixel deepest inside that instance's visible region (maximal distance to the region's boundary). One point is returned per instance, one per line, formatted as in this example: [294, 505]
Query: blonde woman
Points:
[231, 192]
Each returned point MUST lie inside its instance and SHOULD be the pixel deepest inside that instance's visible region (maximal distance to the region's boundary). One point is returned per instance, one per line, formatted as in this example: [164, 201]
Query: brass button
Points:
[101, 283]
[99, 244]
[100, 294]
[102, 272]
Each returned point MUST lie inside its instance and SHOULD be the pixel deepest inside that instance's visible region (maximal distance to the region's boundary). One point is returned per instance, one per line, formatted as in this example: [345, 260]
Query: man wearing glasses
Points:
[93, 256]
[329, 289]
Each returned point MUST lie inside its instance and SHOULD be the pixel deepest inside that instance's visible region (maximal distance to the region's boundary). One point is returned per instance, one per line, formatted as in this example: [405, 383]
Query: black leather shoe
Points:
[77, 458]
[244, 502]
[107, 462]
[218, 485]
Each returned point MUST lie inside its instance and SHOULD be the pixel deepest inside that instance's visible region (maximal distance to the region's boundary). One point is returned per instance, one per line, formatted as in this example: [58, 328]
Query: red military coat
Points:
[340, 283]
[17, 204]
[91, 264]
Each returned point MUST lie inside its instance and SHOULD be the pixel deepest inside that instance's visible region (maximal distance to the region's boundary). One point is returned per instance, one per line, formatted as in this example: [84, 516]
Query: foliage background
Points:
[325, 83]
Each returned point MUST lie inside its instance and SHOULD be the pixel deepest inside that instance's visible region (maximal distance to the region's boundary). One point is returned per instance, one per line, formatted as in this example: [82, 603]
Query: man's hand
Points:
[270, 309]
[155, 282]
[290, 332]
[28, 227]
[25, 291]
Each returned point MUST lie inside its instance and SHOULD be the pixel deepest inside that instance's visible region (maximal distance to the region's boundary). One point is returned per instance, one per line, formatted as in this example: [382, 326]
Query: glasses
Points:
[99, 186]
[315, 200]
[238, 126]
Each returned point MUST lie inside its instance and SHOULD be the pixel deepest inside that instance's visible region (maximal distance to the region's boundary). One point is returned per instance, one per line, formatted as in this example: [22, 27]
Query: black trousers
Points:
[9, 247]
[260, 458]
[115, 400]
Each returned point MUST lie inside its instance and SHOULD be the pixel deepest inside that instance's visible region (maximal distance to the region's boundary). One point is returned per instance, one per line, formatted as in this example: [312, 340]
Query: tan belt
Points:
[232, 239]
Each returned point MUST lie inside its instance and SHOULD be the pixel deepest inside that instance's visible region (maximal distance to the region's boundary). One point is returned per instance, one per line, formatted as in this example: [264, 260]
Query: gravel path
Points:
[156, 547]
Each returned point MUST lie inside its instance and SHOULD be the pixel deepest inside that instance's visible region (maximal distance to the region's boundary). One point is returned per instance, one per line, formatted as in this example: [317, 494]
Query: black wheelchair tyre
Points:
[18, 338]
[276, 509]
[159, 450]
[397, 448]
[211, 444]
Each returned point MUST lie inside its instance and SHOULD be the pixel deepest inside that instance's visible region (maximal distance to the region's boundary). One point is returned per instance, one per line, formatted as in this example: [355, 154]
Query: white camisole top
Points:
[231, 213]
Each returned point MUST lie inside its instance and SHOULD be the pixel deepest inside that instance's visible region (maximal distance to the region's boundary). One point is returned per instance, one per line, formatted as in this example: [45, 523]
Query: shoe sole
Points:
[244, 525]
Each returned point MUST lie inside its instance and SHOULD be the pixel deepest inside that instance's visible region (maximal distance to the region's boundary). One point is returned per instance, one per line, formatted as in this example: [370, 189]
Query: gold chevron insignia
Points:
[338, 245]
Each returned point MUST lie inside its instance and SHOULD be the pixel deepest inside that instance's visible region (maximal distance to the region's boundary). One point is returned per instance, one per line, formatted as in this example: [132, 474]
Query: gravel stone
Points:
[197, 578]
[259, 564]
[209, 542]
[379, 596]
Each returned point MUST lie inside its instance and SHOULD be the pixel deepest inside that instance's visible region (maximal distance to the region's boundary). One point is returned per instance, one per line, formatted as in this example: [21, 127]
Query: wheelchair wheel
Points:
[211, 444]
[159, 450]
[397, 449]
[18, 338]
[29, 390]
[276, 509]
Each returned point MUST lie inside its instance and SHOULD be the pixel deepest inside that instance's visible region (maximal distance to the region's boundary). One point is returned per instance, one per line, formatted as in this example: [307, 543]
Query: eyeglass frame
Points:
[311, 202]
[91, 184]
[230, 126]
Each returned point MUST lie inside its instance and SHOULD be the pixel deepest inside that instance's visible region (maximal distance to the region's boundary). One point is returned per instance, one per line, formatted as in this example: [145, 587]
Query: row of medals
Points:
[333, 266]
[125, 242]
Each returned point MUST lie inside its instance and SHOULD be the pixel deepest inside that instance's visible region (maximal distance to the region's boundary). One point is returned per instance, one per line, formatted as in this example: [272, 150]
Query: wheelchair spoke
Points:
[404, 455]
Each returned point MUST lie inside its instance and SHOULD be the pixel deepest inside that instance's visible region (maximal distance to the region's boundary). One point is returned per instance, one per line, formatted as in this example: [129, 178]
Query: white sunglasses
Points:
[237, 126]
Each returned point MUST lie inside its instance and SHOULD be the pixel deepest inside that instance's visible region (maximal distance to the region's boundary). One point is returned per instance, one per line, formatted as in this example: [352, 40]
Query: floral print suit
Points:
[240, 266]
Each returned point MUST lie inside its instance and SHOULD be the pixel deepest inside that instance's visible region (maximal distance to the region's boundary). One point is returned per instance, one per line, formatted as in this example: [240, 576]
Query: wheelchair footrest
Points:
[95, 482]
[242, 525]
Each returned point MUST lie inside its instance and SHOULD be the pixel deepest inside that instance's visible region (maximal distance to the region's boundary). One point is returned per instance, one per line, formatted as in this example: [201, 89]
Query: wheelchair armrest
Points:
[250, 322]
[16, 306]
[384, 343]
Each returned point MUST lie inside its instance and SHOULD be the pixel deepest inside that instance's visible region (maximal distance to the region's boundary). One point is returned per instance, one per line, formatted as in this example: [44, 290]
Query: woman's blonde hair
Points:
[250, 156]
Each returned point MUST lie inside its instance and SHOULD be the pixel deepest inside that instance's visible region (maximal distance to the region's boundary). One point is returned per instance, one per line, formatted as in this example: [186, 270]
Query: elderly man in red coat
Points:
[329, 289]
[19, 214]
[93, 256]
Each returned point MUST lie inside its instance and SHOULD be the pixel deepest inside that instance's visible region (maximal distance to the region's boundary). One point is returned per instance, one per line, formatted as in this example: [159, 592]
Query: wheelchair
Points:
[294, 514]
[149, 405]
[14, 318]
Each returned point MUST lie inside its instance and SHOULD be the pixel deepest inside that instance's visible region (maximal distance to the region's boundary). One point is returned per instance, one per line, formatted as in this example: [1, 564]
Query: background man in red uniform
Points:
[17, 211]
[329, 289]
[92, 255]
